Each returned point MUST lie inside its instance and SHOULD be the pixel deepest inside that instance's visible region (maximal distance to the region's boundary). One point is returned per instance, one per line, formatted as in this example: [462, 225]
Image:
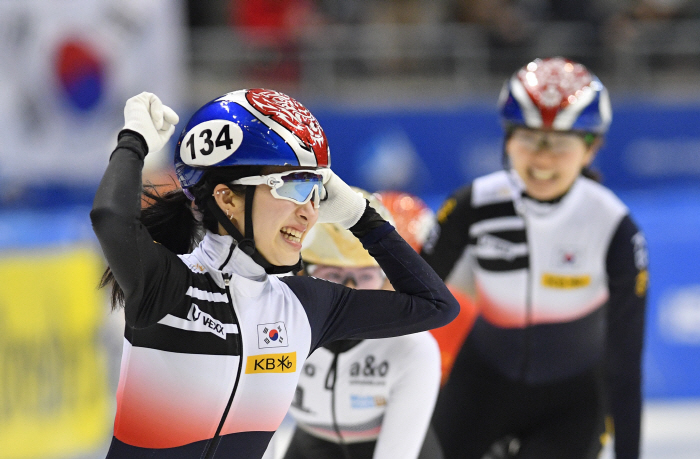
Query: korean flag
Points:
[272, 335]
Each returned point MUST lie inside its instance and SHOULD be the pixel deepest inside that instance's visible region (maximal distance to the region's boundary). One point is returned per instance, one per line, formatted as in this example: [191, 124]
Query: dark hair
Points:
[204, 189]
[172, 219]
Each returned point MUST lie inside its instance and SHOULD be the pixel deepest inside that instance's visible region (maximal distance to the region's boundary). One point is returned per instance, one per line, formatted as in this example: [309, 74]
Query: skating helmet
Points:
[249, 127]
[414, 219]
[558, 94]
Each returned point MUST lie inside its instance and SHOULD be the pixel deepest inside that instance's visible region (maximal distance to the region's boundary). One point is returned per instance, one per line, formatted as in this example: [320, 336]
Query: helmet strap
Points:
[247, 243]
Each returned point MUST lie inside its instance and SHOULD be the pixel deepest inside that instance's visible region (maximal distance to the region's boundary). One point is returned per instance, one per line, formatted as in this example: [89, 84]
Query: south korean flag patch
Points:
[272, 335]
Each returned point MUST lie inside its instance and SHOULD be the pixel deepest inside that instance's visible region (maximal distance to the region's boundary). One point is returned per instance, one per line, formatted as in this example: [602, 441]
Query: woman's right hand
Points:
[341, 204]
[146, 115]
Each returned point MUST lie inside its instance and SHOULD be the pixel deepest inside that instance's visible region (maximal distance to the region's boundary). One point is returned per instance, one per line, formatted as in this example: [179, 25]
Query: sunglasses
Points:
[556, 142]
[297, 186]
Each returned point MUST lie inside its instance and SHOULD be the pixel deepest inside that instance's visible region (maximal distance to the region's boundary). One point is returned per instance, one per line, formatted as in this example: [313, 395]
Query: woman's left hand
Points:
[341, 204]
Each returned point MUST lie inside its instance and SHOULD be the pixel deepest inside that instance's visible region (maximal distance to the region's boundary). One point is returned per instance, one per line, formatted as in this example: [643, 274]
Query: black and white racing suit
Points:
[213, 346]
[561, 292]
[367, 399]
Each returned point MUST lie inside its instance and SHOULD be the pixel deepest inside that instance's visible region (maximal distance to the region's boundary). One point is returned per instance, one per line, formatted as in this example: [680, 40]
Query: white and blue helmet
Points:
[557, 94]
[250, 127]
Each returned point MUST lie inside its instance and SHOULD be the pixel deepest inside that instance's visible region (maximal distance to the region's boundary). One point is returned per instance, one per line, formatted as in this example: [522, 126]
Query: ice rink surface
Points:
[671, 430]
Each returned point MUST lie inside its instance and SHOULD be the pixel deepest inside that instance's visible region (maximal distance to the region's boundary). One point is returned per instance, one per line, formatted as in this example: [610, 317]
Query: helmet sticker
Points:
[555, 93]
[210, 142]
[553, 84]
[294, 117]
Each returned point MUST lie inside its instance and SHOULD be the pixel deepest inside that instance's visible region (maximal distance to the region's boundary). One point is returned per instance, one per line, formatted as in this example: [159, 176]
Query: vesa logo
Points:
[271, 363]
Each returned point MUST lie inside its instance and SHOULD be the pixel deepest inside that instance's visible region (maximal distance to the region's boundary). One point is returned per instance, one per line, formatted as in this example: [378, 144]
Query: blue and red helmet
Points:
[250, 127]
[558, 94]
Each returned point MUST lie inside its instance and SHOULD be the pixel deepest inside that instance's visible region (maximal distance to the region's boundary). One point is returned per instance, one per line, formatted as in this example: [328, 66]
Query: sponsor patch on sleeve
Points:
[642, 283]
[446, 209]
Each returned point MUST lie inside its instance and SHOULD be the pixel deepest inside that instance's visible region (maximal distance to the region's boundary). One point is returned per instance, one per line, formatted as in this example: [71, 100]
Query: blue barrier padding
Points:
[670, 219]
[435, 151]
[34, 228]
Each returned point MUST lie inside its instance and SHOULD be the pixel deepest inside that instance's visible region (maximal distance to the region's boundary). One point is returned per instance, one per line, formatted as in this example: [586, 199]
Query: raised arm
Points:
[421, 300]
[133, 257]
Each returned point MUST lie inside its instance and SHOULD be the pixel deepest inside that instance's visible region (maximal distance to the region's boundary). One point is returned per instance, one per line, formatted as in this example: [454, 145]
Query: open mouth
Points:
[542, 174]
[291, 234]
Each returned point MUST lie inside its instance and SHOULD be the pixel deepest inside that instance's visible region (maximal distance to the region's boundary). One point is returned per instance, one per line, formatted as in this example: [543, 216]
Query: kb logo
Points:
[272, 363]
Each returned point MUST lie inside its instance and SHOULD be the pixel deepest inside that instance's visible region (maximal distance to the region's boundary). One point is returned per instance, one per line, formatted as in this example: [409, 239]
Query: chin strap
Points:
[247, 243]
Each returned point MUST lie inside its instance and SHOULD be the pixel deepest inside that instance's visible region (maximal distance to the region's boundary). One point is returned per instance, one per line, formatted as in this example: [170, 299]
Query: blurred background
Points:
[403, 85]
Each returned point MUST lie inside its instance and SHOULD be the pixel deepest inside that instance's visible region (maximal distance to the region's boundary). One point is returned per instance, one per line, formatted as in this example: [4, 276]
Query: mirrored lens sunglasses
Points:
[297, 186]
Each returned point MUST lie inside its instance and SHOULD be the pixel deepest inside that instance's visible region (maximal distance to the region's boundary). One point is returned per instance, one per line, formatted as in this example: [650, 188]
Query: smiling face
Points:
[280, 226]
[548, 162]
